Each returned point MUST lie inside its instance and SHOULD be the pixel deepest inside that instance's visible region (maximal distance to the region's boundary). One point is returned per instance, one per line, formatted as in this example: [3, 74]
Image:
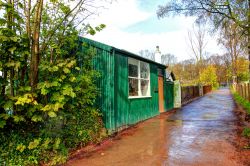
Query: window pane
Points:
[144, 88]
[133, 67]
[133, 87]
[132, 70]
[144, 70]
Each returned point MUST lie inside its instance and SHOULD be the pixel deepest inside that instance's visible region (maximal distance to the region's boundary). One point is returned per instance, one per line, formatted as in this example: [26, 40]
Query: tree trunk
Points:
[35, 51]
[27, 8]
[4, 78]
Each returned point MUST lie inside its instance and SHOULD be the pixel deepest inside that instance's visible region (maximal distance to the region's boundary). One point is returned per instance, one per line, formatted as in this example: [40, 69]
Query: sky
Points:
[133, 25]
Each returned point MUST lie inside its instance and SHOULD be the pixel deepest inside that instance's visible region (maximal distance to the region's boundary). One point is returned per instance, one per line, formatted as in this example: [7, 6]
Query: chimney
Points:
[157, 55]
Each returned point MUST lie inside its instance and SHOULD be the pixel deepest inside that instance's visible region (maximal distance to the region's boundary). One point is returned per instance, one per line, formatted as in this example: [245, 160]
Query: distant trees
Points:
[186, 72]
[220, 13]
[147, 54]
[168, 59]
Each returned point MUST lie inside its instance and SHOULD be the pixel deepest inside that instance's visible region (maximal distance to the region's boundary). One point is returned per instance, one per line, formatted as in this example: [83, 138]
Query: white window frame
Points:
[139, 79]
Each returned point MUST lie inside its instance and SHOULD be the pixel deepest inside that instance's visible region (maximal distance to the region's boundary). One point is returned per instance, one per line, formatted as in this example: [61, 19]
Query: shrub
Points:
[42, 126]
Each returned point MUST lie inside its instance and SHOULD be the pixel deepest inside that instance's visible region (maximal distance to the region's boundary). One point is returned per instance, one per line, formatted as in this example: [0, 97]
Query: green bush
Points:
[243, 102]
[60, 115]
[246, 132]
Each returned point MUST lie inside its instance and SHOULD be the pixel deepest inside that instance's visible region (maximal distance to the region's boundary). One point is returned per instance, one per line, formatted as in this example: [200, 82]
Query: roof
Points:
[124, 52]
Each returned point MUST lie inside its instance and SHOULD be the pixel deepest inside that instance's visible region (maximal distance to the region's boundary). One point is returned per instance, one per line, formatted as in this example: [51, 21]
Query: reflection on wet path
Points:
[198, 134]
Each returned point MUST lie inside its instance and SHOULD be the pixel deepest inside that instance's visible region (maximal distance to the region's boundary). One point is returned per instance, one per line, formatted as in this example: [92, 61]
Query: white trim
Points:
[138, 64]
[138, 97]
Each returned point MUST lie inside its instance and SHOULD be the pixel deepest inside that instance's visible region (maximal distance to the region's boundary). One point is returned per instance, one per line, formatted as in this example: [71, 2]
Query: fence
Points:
[207, 89]
[188, 93]
[243, 89]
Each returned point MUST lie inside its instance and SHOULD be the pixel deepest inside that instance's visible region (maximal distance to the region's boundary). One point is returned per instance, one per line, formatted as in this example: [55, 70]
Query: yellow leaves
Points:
[46, 108]
[208, 76]
[21, 147]
[72, 79]
[34, 144]
[71, 64]
[77, 68]
[52, 114]
[26, 99]
[45, 145]
[66, 70]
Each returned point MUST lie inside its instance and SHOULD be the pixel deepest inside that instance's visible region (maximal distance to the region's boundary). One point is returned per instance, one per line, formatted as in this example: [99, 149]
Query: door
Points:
[161, 94]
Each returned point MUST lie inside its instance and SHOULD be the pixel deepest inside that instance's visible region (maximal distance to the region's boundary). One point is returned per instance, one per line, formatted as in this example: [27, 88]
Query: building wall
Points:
[104, 64]
[130, 111]
[118, 110]
[169, 95]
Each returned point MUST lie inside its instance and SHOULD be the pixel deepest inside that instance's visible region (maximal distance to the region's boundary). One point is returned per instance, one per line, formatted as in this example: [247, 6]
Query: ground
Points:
[205, 132]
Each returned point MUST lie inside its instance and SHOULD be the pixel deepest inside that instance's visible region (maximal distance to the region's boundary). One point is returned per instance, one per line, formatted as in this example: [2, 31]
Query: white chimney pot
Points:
[157, 55]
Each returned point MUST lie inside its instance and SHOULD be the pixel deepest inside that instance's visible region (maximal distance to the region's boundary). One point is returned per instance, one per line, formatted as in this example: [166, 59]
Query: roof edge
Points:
[111, 48]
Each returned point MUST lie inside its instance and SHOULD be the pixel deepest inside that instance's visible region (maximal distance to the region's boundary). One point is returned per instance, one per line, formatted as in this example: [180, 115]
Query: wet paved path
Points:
[199, 134]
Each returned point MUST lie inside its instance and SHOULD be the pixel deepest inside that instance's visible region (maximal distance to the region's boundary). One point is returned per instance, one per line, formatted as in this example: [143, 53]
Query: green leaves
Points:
[2, 123]
[92, 31]
[37, 118]
[68, 90]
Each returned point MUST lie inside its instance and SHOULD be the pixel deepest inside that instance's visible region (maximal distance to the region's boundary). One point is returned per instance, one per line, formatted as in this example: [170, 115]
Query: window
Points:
[138, 78]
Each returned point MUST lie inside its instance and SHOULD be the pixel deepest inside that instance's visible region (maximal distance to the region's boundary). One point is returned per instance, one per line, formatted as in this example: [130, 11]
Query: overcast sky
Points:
[133, 25]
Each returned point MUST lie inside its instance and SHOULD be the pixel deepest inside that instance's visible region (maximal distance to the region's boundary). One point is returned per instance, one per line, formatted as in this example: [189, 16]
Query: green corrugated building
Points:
[132, 88]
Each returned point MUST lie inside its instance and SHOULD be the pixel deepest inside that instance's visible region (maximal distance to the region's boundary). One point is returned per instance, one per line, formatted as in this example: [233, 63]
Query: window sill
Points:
[138, 97]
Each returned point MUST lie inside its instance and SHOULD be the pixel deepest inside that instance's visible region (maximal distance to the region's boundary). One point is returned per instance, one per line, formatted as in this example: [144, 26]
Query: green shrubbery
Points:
[246, 105]
[243, 102]
[59, 116]
[47, 96]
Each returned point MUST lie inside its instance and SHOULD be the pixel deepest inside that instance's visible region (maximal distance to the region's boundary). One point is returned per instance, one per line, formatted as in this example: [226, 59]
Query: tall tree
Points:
[197, 42]
[234, 45]
[237, 11]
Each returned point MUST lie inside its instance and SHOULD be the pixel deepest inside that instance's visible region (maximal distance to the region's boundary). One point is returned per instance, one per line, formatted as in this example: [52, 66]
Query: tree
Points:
[147, 54]
[197, 42]
[235, 46]
[186, 72]
[208, 76]
[218, 12]
[223, 67]
[168, 59]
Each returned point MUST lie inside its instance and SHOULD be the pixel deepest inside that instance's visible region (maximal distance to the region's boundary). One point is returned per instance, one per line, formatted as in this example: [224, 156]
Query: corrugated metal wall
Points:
[103, 62]
[169, 95]
[118, 110]
[131, 111]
